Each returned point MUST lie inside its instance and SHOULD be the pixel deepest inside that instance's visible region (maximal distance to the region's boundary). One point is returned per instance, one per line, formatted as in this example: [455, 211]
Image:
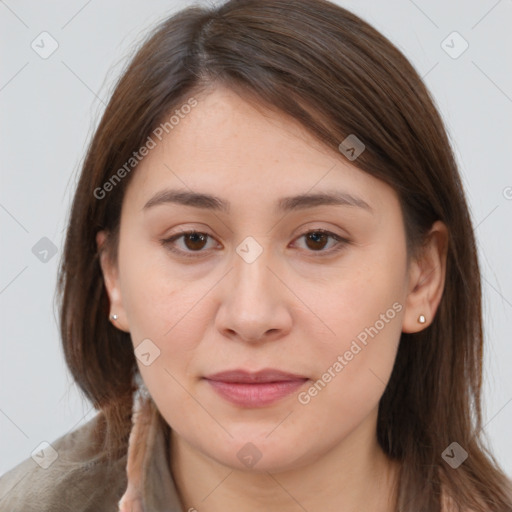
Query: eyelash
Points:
[167, 243]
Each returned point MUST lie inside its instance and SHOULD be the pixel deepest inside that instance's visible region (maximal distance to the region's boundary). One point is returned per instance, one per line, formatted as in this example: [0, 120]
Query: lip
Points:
[255, 389]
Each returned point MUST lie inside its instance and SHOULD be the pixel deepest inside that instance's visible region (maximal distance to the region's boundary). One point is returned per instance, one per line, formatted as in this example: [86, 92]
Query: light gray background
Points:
[49, 108]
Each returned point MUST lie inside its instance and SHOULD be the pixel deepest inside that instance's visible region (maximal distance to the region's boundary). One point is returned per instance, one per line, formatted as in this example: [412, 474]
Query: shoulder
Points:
[71, 475]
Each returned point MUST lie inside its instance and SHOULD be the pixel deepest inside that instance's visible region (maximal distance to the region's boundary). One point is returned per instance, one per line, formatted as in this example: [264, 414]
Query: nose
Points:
[254, 303]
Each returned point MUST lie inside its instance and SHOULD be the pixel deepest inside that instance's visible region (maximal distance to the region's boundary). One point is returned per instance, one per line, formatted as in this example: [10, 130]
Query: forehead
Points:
[233, 148]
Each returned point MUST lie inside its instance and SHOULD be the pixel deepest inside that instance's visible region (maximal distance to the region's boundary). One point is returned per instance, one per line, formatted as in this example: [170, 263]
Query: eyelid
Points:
[167, 243]
[341, 242]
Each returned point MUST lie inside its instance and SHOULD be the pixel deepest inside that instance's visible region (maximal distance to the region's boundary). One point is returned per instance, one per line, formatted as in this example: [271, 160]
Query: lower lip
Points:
[257, 394]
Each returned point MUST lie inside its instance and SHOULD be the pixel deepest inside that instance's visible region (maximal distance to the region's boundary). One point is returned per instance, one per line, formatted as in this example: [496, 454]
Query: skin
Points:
[291, 309]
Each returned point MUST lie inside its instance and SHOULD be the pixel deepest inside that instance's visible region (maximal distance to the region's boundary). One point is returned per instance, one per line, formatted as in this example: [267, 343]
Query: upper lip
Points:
[245, 376]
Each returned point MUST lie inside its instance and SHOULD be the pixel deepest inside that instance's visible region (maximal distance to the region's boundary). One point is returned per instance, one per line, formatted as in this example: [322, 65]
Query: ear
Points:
[427, 274]
[111, 278]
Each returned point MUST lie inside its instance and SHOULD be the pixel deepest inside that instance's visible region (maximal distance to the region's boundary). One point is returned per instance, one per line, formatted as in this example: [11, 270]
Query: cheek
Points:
[155, 296]
[353, 373]
[169, 310]
[367, 296]
[364, 310]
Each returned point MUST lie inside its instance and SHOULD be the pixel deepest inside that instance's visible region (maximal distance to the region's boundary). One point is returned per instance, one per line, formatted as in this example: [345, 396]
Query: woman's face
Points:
[312, 290]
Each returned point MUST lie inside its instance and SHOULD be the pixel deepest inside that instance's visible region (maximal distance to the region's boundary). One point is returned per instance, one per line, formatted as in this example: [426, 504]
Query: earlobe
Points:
[427, 275]
[111, 279]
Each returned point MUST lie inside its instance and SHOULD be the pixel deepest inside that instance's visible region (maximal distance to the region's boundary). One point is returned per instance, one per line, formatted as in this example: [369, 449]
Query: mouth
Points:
[254, 389]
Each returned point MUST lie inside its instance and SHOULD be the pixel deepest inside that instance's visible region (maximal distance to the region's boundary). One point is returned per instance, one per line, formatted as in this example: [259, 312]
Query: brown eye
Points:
[192, 243]
[316, 240]
[195, 241]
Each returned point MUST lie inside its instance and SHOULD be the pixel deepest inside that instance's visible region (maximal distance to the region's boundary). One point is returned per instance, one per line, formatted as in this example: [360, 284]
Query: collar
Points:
[151, 487]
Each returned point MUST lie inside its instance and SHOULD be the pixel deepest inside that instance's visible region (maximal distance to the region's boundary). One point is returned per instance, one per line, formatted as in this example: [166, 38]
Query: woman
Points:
[270, 287]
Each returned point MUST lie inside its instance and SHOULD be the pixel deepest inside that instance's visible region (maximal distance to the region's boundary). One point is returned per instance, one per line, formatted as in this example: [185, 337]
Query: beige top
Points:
[78, 482]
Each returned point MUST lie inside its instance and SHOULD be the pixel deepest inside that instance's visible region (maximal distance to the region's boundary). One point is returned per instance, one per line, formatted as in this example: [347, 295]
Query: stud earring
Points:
[422, 319]
[114, 317]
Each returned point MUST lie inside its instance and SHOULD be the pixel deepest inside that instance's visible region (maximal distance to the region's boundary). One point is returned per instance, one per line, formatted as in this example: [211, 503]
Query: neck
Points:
[355, 475]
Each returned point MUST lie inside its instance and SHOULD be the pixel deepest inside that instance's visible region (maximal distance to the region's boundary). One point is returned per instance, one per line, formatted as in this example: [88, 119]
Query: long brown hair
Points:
[335, 74]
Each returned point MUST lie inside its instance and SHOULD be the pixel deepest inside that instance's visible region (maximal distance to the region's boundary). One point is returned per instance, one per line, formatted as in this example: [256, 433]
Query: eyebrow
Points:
[285, 204]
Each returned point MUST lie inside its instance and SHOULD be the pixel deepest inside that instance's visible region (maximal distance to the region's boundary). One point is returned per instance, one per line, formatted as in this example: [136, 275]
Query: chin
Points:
[261, 454]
